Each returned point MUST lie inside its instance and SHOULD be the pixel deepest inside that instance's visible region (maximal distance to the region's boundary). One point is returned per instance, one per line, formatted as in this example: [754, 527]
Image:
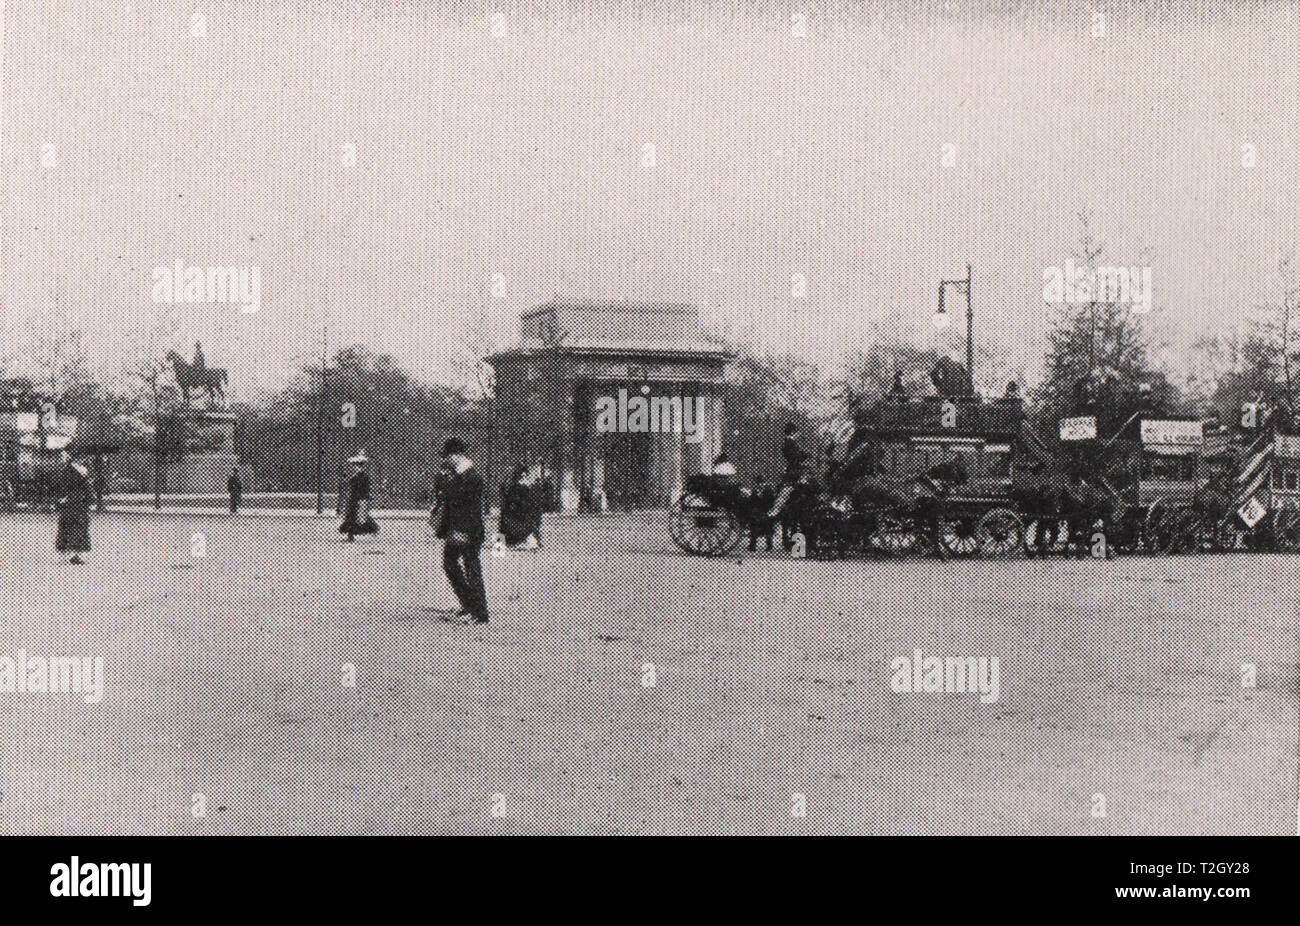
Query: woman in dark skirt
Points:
[75, 499]
[356, 518]
[521, 510]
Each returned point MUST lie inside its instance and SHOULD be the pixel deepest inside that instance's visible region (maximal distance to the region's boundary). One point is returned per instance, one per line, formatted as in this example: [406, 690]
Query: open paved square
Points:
[226, 709]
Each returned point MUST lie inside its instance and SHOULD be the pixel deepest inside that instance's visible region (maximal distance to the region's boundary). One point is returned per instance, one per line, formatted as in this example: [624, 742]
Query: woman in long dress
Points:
[519, 516]
[356, 518]
[75, 499]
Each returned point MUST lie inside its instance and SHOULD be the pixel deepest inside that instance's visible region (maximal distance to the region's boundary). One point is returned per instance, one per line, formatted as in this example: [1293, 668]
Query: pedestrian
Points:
[356, 517]
[236, 489]
[514, 509]
[73, 505]
[521, 512]
[537, 505]
[461, 529]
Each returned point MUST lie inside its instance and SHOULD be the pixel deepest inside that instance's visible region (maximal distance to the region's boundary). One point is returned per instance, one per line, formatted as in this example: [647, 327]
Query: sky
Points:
[411, 176]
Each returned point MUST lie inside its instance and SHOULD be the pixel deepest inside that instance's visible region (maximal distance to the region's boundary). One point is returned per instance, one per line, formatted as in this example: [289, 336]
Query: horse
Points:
[192, 376]
[1064, 511]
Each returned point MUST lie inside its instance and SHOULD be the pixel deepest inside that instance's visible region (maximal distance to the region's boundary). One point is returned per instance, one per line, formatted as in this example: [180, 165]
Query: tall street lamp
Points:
[941, 320]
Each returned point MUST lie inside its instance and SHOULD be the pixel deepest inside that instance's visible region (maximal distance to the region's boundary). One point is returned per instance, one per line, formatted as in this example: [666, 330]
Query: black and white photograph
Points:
[617, 418]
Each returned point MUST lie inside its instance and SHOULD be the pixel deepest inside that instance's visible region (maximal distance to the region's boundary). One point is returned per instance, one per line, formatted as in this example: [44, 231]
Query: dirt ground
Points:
[226, 710]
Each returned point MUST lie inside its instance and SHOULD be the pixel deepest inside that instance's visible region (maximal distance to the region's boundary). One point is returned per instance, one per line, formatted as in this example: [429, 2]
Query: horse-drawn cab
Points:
[1062, 491]
[712, 515]
[33, 435]
[1260, 474]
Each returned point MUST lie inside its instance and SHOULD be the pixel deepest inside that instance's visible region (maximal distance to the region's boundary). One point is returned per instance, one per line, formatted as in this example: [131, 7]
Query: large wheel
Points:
[703, 529]
[958, 535]
[1000, 534]
[895, 535]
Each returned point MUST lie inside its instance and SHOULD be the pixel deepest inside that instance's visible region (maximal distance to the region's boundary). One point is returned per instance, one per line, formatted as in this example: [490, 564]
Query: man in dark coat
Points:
[795, 460]
[760, 525]
[461, 527]
[75, 498]
[236, 489]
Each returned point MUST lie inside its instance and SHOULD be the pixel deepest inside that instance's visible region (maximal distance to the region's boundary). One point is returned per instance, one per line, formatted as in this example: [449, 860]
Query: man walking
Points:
[236, 489]
[461, 528]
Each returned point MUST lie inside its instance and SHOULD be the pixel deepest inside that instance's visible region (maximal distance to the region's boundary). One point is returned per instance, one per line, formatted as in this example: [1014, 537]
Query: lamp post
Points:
[320, 437]
[941, 321]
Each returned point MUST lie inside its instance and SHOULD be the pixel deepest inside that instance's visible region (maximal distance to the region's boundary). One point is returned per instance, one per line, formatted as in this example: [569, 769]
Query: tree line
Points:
[289, 439]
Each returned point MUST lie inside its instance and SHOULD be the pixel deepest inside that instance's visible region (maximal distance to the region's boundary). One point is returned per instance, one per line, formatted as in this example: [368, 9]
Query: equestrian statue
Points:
[198, 376]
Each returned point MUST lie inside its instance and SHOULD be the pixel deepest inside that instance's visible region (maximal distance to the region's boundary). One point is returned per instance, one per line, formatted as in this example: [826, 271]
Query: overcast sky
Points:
[129, 143]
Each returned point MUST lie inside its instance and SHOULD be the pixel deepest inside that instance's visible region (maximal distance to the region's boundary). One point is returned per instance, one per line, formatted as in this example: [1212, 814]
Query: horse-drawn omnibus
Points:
[1174, 485]
[904, 475]
[1281, 496]
[1266, 503]
[961, 448]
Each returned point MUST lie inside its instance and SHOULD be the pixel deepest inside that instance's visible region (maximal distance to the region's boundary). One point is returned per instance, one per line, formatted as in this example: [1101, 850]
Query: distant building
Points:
[619, 400]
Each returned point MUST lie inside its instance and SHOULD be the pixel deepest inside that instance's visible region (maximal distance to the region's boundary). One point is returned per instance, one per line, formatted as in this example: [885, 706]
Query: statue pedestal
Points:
[209, 454]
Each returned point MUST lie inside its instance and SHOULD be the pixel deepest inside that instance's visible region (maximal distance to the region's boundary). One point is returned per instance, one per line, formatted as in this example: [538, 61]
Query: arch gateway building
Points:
[619, 401]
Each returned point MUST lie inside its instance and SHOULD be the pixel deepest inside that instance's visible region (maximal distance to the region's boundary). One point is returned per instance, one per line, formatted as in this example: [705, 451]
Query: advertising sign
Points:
[1172, 433]
[1082, 428]
[1251, 512]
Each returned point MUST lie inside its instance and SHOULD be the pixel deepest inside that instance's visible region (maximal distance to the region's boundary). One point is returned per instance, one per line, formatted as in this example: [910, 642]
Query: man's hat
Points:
[359, 458]
[453, 445]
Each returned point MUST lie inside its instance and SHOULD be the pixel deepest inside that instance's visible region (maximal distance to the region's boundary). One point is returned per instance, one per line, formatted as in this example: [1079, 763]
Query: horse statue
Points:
[198, 375]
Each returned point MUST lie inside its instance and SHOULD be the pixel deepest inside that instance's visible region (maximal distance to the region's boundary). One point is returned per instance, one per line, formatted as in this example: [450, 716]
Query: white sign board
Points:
[1083, 428]
[1251, 512]
[1172, 433]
